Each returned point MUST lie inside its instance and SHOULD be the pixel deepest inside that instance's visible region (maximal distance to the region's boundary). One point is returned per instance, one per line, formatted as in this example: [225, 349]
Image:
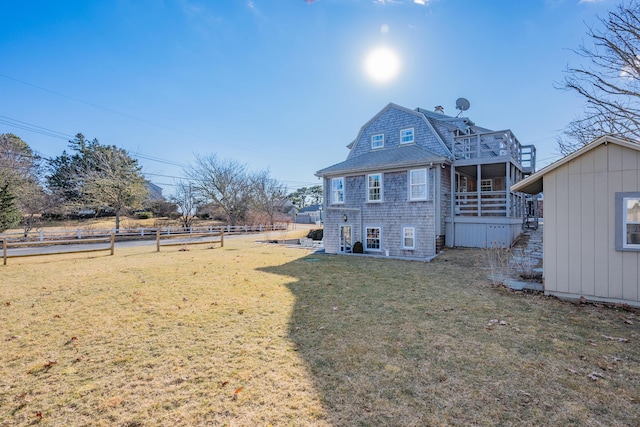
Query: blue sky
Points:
[278, 84]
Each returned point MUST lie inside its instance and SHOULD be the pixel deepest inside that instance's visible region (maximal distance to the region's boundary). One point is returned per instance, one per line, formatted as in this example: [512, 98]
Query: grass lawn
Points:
[257, 335]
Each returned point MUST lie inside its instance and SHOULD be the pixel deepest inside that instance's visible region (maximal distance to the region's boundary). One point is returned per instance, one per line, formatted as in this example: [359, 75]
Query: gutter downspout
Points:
[453, 205]
[437, 201]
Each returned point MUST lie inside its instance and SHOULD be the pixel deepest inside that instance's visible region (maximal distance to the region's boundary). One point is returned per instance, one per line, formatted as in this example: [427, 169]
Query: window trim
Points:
[381, 140]
[366, 238]
[369, 200]
[426, 185]
[413, 136]
[483, 181]
[621, 221]
[404, 237]
[334, 192]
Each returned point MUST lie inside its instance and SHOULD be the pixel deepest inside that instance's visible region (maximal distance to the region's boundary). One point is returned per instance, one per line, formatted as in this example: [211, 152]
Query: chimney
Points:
[439, 109]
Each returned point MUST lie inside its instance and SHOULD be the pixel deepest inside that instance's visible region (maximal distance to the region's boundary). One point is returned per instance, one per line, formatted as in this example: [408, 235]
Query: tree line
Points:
[93, 178]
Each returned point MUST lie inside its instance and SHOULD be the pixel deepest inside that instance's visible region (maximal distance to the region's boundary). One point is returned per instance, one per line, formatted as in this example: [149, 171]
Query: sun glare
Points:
[382, 64]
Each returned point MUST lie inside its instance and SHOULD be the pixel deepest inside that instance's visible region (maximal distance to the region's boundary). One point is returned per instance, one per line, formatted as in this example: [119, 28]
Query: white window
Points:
[406, 136]
[337, 190]
[374, 187]
[408, 237]
[418, 184]
[486, 185]
[631, 218]
[374, 238]
[627, 221]
[377, 141]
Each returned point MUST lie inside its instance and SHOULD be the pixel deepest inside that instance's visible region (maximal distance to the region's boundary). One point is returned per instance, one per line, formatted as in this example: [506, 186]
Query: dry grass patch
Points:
[258, 334]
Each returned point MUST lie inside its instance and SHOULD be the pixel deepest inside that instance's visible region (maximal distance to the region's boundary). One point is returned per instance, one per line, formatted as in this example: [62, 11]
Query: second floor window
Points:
[486, 185]
[337, 190]
[418, 184]
[374, 187]
[406, 136]
[377, 141]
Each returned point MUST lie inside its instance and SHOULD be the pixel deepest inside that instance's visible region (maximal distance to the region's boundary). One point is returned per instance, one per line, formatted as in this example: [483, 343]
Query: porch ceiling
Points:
[492, 170]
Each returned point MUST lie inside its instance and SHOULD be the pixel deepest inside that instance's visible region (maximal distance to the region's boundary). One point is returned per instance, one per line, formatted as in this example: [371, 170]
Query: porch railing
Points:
[494, 144]
[488, 203]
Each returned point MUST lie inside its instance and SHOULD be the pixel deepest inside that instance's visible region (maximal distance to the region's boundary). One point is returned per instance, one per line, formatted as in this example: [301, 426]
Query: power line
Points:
[149, 122]
[33, 128]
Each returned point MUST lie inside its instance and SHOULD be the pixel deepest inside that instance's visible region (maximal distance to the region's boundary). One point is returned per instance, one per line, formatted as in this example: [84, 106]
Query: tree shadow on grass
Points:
[365, 329]
[392, 342]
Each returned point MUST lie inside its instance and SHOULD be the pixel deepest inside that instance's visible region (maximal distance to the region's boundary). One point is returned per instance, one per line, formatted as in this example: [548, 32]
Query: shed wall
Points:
[580, 258]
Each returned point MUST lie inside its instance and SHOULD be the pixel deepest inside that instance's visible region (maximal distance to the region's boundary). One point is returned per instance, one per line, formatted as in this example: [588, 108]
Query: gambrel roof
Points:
[442, 145]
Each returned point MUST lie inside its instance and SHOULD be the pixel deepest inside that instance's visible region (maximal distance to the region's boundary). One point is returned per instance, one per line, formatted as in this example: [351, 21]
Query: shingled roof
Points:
[411, 155]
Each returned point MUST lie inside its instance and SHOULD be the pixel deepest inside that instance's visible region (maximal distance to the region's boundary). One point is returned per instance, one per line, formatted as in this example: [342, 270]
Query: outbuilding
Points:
[591, 235]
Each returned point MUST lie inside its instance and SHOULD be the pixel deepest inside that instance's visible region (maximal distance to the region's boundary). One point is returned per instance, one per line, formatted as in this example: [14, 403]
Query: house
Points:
[309, 214]
[591, 236]
[155, 191]
[416, 180]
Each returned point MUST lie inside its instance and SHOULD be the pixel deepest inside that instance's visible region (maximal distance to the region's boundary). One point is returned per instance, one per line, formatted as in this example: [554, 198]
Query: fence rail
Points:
[6, 244]
[150, 233]
[160, 237]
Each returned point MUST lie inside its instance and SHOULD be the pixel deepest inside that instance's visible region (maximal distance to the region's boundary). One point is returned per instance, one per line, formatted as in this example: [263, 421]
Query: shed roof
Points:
[412, 155]
[533, 183]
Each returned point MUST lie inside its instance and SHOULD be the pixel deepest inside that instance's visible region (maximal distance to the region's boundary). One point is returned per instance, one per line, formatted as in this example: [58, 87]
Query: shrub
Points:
[358, 248]
[315, 234]
[144, 215]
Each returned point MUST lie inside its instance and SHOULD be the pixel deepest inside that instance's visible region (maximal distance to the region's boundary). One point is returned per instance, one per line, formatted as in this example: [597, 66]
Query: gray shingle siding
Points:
[390, 123]
[391, 215]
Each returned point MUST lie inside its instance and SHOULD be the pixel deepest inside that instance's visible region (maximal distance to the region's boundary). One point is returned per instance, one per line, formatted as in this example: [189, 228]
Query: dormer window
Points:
[406, 136]
[377, 141]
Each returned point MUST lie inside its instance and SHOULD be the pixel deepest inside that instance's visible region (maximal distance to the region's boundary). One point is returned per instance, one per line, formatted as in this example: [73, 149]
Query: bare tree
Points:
[188, 202]
[115, 182]
[223, 182]
[34, 201]
[269, 195]
[609, 82]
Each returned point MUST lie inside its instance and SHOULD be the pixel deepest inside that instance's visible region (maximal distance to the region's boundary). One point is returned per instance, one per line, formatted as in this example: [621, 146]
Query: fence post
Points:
[157, 240]
[4, 250]
[79, 233]
[228, 228]
[112, 243]
[221, 238]
[169, 230]
[41, 235]
[210, 229]
[190, 230]
[142, 231]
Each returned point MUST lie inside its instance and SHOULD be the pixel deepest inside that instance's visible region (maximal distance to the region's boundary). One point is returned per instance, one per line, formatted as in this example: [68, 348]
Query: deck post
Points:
[112, 239]
[508, 190]
[221, 238]
[157, 240]
[479, 188]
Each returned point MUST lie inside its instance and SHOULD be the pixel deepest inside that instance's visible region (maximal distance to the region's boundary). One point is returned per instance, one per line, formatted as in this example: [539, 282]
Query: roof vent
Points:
[439, 109]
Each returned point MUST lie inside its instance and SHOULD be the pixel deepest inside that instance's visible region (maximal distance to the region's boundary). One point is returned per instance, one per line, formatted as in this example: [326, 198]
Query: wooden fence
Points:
[205, 235]
[160, 237]
[148, 233]
[6, 244]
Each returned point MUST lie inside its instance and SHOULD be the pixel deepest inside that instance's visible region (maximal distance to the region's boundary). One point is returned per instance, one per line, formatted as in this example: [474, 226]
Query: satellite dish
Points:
[462, 104]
